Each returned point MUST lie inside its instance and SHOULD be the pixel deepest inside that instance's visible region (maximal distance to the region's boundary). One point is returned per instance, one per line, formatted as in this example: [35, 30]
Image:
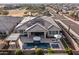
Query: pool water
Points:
[38, 45]
[55, 45]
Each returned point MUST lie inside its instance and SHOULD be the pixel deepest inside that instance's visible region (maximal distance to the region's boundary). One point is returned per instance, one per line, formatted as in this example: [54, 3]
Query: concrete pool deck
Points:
[47, 40]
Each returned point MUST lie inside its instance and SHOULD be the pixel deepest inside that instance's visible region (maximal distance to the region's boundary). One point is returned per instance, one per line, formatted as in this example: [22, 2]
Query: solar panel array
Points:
[34, 21]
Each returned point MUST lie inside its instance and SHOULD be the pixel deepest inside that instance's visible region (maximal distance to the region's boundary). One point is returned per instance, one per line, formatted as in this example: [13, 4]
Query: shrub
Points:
[69, 51]
[39, 51]
[72, 13]
[19, 52]
[50, 51]
[25, 12]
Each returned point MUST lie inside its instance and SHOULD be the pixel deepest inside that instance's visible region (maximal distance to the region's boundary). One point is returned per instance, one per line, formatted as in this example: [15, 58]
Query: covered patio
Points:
[36, 30]
[12, 40]
[25, 39]
[33, 34]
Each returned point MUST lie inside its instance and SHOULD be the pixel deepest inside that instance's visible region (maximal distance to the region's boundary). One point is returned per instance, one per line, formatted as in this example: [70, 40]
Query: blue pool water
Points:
[55, 46]
[39, 45]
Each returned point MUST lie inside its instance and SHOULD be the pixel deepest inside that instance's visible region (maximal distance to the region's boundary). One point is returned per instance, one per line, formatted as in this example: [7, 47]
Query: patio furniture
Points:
[57, 36]
[36, 38]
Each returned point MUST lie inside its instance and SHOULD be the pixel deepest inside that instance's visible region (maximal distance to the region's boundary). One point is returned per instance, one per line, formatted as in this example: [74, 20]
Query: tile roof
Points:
[42, 20]
[7, 23]
[36, 25]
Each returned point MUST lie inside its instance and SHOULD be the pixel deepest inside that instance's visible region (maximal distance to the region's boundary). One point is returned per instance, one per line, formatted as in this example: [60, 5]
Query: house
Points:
[41, 29]
[7, 24]
[42, 25]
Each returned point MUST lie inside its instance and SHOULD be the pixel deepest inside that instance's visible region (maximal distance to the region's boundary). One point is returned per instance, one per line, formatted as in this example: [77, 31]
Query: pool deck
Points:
[43, 40]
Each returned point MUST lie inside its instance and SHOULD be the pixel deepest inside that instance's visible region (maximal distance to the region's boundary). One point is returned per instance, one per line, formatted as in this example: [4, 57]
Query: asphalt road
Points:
[56, 16]
[73, 26]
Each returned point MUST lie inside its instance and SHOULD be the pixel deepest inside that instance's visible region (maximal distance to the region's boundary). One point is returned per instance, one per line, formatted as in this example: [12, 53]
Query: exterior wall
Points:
[52, 33]
[53, 29]
[20, 44]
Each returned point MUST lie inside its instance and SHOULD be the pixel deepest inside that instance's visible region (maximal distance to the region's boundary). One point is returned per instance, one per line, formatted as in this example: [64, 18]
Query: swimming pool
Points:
[39, 45]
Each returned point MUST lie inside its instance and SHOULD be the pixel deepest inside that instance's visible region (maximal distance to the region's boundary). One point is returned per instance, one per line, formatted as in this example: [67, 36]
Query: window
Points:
[53, 32]
[49, 32]
[21, 31]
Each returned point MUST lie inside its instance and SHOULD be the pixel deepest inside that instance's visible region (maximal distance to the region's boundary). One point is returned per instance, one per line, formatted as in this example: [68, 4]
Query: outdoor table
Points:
[36, 38]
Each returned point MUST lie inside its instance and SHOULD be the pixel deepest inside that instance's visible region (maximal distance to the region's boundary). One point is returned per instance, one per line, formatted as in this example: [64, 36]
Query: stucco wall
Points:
[20, 44]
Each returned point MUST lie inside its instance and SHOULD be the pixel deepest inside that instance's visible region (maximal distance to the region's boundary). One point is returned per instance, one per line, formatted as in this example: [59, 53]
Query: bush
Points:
[25, 12]
[39, 51]
[19, 52]
[25, 15]
[69, 51]
[50, 51]
[72, 13]
[5, 12]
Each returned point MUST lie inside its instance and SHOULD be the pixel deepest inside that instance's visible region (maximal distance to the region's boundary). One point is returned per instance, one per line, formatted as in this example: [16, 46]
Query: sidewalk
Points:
[77, 22]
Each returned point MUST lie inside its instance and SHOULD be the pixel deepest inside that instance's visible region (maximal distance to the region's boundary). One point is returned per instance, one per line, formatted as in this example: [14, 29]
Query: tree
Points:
[76, 16]
[39, 51]
[69, 51]
[18, 52]
[57, 11]
[72, 13]
[47, 13]
[50, 51]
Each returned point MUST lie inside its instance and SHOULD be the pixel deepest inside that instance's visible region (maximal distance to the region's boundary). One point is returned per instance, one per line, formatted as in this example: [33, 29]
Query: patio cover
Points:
[13, 37]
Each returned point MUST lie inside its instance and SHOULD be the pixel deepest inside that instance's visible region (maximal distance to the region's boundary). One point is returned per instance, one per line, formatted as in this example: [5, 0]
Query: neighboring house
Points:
[7, 24]
[64, 11]
[77, 12]
[41, 27]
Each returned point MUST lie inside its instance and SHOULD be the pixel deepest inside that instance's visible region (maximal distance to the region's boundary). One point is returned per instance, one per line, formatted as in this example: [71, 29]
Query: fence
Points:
[26, 52]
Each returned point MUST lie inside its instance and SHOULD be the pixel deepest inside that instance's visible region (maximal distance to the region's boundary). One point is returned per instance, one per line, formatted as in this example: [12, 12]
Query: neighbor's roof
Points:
[8, 22]
[13, 37]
